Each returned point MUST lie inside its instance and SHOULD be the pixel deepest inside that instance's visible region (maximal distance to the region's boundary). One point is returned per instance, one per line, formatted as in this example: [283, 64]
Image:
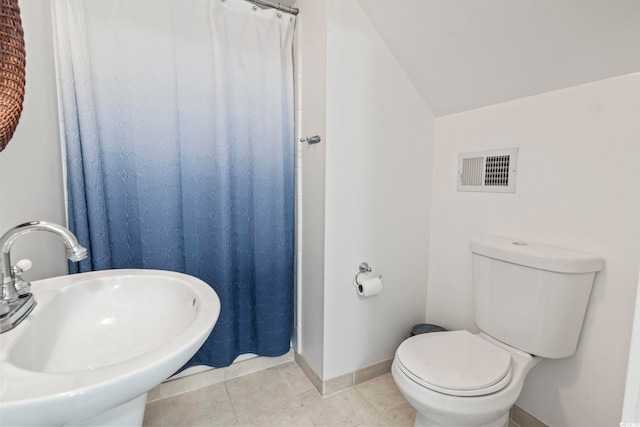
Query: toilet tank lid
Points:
[535, 255]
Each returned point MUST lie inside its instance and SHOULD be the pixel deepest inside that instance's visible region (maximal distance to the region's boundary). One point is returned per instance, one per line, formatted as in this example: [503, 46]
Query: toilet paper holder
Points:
[363, 268]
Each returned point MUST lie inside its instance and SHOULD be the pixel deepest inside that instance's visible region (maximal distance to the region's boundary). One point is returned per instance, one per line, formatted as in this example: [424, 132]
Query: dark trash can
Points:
[425, 328]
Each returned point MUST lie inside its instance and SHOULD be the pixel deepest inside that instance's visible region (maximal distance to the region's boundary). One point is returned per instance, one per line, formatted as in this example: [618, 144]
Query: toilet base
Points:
[424, 421]
[490, 410]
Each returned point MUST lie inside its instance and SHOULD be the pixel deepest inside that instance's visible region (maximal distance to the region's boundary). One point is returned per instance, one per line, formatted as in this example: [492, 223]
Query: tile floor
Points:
[282, 396]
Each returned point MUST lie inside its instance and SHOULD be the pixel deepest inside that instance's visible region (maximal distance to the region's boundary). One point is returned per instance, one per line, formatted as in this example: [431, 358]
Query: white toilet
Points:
[529, 303]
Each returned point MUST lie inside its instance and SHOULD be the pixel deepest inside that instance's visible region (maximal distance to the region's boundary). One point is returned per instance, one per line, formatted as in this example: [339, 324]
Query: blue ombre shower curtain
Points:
[178, 119]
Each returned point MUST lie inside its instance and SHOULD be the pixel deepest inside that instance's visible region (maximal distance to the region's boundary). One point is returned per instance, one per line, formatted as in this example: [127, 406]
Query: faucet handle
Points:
[22, 286]
[23, 265]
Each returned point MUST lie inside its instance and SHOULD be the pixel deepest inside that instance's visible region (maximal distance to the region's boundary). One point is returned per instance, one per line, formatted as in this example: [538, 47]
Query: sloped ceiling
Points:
[465, 54]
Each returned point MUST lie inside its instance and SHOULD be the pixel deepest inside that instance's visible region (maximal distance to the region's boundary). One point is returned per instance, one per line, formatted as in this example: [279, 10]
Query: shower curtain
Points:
[178, 120]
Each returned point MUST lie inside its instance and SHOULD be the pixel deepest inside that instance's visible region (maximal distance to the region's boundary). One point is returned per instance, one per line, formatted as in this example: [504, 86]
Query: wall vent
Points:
[488, 171]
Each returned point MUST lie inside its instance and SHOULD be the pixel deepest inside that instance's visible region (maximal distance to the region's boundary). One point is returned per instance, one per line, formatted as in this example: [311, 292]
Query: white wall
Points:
[365, 190]
[631, 406]
[576, 188]
[311, 61]
[30, 167]
[378, 178]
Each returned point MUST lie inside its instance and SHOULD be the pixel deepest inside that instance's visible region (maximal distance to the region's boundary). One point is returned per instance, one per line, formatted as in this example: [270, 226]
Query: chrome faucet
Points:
[16, 304]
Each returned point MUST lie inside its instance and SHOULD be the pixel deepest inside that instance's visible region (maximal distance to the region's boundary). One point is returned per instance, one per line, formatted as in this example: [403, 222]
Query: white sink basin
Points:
[98, 341]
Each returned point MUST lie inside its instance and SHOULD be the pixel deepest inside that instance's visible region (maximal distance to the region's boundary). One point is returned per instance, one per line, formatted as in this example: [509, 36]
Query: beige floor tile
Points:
[155, 393]
[296, 379]
[402, 416]
[255, 364]
[522, 418]
[287, 413]
[382, 393]
[191, 382]
[245, 367]
[347, 408]
[338, 384]
[282, 396]
[375, 421]
[258, 391]
[153, 414]
[203, 407]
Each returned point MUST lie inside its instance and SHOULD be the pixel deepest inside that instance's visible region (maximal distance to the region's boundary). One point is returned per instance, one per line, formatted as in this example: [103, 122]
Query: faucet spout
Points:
[75, 252]
[14, 306]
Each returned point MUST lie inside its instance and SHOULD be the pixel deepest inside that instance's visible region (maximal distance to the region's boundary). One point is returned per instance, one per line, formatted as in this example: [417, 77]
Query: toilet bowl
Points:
[460, 396]
[528, 299]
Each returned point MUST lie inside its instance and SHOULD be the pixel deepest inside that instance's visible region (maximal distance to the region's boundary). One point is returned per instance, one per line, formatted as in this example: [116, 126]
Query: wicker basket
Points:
[12, 80]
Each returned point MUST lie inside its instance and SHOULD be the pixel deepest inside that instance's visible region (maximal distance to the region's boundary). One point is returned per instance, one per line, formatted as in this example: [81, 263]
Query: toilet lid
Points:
[457, 363]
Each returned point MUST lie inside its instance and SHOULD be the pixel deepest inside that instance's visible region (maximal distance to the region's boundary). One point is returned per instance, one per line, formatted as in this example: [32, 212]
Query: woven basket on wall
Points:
[12, 80]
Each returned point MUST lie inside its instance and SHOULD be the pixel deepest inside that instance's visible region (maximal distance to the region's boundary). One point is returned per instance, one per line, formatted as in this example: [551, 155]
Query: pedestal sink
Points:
[96, 343]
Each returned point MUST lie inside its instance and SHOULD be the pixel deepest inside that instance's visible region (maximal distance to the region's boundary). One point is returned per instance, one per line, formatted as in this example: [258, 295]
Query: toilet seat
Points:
[457, 363]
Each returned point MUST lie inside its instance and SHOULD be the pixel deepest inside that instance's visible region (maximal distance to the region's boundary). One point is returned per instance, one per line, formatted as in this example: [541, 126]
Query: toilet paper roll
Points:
[369, 286]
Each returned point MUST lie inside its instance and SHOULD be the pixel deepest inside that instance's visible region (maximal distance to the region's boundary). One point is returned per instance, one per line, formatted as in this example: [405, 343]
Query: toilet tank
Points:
[529, 296]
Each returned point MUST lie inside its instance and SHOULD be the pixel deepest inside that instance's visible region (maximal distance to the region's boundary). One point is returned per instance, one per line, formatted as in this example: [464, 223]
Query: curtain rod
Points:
[278, 6]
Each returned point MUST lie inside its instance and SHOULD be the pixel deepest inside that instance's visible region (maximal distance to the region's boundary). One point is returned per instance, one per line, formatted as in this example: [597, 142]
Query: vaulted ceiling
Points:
[465, 54]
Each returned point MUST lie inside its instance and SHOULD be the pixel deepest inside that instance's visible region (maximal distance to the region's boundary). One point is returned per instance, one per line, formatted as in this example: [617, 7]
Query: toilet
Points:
[529, 304]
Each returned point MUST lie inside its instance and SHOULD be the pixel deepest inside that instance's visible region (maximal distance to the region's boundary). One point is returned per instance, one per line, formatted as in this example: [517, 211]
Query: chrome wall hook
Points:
[311, 139]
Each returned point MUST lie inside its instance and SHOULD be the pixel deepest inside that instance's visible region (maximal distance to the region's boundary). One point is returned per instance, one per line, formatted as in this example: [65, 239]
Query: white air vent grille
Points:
[488, 171]
[497, 171]
[472, 171]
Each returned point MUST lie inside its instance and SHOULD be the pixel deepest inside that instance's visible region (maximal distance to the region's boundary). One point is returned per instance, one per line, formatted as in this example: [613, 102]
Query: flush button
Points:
[520, 243]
